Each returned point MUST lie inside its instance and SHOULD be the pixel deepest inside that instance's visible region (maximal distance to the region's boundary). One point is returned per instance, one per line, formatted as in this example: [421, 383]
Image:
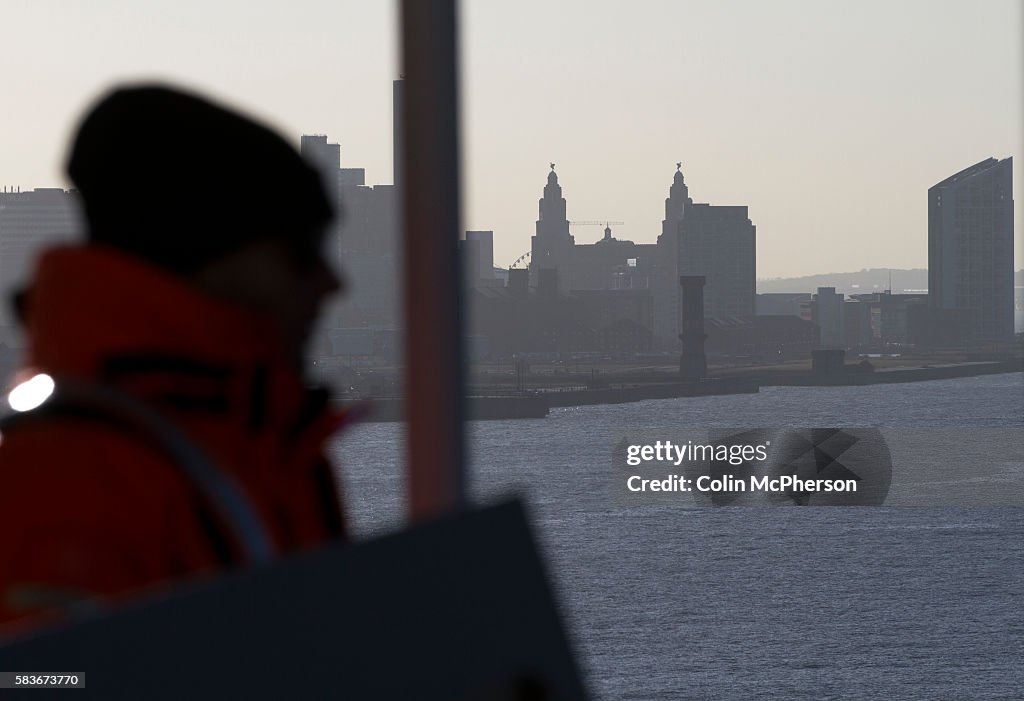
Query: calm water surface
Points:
[740, 603]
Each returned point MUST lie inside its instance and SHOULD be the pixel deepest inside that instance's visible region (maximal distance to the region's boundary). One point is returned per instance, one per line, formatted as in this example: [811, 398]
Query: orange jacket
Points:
[87, 508]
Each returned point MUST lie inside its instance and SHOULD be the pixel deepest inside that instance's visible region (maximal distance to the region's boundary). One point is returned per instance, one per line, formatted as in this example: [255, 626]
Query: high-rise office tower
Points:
[485, 260]
[29, 222]
[397, 107]
[326, 157]
[720, 244]
[970, 247]
[363, 241]
[827, 313]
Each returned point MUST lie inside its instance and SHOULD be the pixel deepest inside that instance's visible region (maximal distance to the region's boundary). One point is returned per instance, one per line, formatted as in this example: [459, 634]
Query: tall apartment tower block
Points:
[970, 247]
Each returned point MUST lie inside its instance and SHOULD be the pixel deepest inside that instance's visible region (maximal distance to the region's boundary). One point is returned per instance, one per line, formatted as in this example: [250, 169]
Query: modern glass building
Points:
[970, 246]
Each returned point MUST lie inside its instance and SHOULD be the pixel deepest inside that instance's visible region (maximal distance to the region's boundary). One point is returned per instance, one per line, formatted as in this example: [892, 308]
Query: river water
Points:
[672, 602]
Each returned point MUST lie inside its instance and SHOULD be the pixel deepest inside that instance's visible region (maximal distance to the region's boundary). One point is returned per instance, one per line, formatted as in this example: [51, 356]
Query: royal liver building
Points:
[696, 239]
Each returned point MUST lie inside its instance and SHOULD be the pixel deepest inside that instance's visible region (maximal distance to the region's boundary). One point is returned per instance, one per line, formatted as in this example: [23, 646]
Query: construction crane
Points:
[602, 222]
[605, 223]
[524, 260]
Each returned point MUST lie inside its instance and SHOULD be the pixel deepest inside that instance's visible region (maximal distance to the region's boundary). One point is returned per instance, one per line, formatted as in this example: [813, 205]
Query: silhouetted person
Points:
[174, 338]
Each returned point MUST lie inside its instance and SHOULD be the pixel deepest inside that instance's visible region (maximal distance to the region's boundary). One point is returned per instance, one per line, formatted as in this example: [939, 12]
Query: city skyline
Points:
[829, 124]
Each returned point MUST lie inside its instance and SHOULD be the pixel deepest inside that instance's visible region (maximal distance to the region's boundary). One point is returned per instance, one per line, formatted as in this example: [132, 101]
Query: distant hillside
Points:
[871, 280]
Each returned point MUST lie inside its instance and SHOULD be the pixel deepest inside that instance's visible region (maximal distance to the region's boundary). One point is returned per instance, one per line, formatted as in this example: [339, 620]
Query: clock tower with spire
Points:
[551, 247]
[666, 275]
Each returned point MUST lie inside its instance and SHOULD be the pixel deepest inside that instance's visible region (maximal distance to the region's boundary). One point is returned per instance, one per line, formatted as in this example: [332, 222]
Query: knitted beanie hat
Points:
[180, 181]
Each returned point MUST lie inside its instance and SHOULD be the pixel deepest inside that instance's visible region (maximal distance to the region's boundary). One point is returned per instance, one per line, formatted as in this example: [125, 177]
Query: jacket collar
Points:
[99, 315]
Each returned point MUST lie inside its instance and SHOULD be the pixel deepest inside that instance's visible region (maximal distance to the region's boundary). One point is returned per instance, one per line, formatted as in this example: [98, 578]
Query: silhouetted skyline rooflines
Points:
[971, 171]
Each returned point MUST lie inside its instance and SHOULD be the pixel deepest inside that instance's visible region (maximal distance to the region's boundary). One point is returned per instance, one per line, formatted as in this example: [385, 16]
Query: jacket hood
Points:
[99, 315]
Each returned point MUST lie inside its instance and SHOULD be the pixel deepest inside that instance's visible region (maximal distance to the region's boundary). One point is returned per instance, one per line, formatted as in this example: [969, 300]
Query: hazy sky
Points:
[828, 119]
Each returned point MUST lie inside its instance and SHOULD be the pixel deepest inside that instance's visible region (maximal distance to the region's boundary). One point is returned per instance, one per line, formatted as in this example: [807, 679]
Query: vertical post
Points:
[692, 362]
[430, 195]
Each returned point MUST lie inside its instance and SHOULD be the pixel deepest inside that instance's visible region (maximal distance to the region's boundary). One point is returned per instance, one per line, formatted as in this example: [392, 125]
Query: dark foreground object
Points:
[457, 609]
